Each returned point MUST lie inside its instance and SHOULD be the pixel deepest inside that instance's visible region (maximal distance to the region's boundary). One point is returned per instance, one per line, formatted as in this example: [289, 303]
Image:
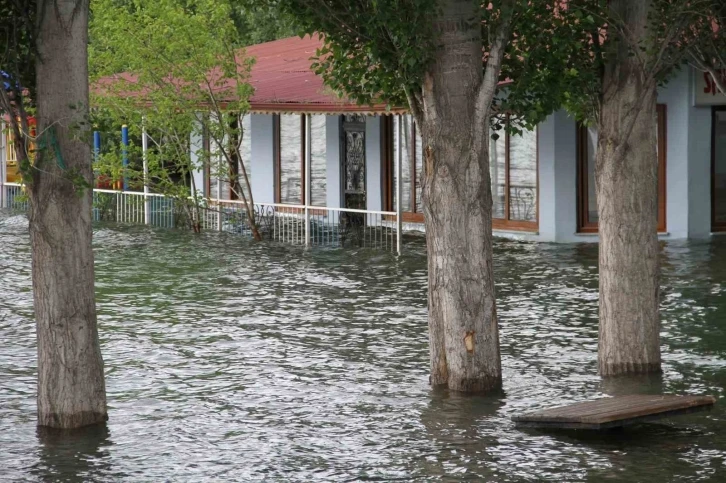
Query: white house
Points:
[542, 181]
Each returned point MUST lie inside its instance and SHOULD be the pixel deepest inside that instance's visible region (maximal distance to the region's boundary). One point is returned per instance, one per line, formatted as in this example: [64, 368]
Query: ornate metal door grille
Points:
[354, 175]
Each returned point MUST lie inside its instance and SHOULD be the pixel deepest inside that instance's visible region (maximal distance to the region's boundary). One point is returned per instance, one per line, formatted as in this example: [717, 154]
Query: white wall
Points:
[557, 138]
[688, 169]
[262, 163]
[675, 95]
[547, 181]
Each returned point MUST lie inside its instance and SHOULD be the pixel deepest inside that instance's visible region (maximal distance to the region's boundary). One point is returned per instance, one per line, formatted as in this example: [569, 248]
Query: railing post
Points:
[219, 195]
[399, 185]
[308, 184]
[125, 154]
[145, 160]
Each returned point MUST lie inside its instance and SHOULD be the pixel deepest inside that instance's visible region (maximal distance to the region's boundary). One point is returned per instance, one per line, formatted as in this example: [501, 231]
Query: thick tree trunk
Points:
[71, 387]
[626, 181]
[463, 332]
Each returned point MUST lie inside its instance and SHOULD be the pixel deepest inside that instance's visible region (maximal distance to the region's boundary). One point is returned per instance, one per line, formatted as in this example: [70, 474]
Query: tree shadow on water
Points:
[77, 455]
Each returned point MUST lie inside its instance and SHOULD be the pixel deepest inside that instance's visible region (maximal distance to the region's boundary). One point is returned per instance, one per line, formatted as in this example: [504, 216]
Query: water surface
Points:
[230, 360]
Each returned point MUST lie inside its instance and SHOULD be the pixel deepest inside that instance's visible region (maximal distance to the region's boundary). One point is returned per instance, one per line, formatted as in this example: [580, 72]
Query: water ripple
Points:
[230, 360]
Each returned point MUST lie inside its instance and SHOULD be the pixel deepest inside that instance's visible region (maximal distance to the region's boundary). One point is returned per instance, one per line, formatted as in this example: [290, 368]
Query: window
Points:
[587, 216]
[290, 161]
[246, 151]
[217, 171]
[234, 171]
[10, 156]
[318, 161]
[513, 165]
[411, 166]
[718, 169]
[513, 171]
[291, 184]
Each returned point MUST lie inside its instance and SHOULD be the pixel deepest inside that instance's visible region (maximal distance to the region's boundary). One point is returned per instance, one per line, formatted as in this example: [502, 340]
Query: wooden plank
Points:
[614, 412]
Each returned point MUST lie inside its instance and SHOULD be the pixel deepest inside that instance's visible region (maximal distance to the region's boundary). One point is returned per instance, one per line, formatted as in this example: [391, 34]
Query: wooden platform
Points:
[614, 412]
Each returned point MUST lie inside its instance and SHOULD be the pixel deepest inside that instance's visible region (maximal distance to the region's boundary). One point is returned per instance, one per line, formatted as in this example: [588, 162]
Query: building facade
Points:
[542, 180]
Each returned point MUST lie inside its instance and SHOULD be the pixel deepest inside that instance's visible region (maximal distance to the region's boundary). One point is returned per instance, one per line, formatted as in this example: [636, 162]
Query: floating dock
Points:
[614, 412]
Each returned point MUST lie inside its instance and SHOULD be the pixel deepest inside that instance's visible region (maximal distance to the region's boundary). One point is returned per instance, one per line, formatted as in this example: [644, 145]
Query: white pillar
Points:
[144, 157]
[308, 184]
[399, 185]
[219, 194]
[3, 163]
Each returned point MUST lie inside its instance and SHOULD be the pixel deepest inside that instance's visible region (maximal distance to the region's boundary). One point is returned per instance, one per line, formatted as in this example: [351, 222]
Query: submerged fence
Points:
[292, 224]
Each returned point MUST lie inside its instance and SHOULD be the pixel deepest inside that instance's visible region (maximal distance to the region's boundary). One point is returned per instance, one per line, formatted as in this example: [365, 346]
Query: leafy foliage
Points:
[18, 53]
[182, 77]
[374, 51]
[258, 22]
[706, 40]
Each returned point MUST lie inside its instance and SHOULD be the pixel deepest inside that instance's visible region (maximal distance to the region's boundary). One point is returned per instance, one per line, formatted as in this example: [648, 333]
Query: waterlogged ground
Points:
[233, 361]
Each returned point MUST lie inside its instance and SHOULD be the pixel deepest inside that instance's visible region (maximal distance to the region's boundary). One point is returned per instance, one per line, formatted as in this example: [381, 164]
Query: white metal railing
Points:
[13, 197]
[294, 224]
[312, 225]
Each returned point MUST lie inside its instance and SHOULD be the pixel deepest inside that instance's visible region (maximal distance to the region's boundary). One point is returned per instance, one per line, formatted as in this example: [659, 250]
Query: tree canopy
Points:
[378, 51]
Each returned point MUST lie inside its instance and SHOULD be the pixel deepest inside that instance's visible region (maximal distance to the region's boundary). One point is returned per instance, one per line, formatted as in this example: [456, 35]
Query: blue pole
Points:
[96, 145]
[125, 153]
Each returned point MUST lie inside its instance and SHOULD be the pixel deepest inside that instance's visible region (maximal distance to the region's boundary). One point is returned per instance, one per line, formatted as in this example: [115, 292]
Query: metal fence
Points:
[312, 226]
[13, 197]
[293, 224]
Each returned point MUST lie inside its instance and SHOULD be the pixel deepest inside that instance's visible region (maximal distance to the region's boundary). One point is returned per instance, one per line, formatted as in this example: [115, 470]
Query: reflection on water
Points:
[228, 360]
[72, 455]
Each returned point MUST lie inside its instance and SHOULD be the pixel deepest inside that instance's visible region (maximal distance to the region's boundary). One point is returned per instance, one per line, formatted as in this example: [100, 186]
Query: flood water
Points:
[228, 360]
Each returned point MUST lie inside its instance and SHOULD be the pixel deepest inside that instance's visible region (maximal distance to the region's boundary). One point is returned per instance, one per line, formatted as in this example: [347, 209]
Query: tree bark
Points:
[71, 387]
[626, 173]
[235, 187]
[463, 332]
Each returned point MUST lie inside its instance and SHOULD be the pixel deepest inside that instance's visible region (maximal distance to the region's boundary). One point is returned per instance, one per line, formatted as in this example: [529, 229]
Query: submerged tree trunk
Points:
[71, 387]
[463, 332]
[626, 180]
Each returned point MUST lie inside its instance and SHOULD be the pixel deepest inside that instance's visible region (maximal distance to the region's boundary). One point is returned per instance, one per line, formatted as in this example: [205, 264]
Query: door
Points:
[354, 161]
[718, 169]
[354, 176]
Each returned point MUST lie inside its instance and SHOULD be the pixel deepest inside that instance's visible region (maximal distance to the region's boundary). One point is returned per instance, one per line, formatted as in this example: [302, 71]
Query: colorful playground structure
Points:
[9, 161]
[7, 141]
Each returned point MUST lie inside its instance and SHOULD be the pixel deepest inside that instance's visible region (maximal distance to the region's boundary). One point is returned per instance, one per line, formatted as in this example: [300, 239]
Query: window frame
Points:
[715, 227]
[418, 217]
[278, 159]
[584, 225]
[389, 157]
[507, 223]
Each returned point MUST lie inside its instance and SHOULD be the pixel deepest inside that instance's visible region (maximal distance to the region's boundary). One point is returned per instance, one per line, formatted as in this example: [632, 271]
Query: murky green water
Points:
[232, 361]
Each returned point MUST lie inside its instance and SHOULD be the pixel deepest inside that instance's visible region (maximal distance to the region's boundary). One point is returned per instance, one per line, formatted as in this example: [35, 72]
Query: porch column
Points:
[145, 160]
[262, 161]
[3, 163]
[308, 185]
[399, 184]
[374, 196]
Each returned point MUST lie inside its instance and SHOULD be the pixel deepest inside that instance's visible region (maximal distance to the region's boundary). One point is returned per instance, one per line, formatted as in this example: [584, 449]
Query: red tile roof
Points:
[283, 81]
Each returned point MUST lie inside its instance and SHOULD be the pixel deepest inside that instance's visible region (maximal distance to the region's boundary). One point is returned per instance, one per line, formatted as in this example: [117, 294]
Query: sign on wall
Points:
[707, 93]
